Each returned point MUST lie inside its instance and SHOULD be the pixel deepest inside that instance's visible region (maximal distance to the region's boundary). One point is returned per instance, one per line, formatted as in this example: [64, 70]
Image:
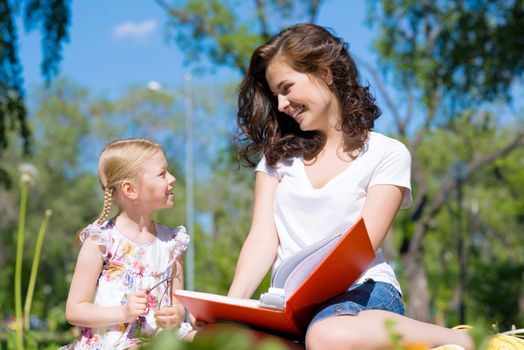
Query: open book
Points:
[299, 286]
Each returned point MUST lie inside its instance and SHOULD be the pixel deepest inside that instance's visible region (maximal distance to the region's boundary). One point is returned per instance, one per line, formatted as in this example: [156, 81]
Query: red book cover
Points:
[318, 274]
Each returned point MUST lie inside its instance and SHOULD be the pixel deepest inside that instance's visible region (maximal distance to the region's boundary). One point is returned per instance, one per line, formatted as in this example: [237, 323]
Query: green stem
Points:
[18, 266]
[34, 269]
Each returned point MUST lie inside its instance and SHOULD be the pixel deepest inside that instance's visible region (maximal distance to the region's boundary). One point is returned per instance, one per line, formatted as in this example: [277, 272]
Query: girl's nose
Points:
[172, 178]
[283, 103]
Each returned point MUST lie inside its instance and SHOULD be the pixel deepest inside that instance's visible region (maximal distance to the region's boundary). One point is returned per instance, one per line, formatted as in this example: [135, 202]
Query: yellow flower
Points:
[115, 269]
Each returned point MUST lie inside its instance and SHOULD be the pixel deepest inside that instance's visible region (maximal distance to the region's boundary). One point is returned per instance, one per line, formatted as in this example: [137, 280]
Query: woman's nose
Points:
[283, 103]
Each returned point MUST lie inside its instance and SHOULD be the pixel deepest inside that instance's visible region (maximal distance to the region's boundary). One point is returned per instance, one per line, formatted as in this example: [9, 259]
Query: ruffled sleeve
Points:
[181, 237]
[179, 242]
[99, 233]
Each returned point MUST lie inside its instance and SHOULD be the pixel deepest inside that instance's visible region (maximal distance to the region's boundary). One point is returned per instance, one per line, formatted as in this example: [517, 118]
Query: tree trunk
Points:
[418, 301]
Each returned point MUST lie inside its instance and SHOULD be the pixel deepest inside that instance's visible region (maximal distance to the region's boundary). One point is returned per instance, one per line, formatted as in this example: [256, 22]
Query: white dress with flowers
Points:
[130, 267]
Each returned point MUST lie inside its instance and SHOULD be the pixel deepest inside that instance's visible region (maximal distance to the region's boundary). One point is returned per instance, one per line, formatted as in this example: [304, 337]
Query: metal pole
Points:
[460, 176]
[190, 270]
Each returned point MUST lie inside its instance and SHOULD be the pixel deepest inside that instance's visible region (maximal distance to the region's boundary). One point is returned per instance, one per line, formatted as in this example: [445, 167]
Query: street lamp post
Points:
[190, 269]
[460, 174]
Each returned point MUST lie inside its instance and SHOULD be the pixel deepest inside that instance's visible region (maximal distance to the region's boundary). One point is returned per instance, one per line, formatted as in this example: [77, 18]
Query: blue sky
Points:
[118, 43]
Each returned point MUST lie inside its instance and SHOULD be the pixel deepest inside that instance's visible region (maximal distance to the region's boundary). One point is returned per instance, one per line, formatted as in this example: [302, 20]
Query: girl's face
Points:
[156, 183]
[305, 98]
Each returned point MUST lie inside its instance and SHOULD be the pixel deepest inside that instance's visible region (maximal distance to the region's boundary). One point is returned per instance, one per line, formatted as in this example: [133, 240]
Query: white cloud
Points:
[134, 30]
[154, 85]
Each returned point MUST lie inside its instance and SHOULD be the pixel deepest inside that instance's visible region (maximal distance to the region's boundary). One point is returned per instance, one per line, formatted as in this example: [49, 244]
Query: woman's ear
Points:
[129, 190]
[328, 77]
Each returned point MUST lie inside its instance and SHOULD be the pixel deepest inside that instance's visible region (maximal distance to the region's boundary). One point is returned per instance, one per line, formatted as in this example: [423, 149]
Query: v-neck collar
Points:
[308, 180]
[340, 174]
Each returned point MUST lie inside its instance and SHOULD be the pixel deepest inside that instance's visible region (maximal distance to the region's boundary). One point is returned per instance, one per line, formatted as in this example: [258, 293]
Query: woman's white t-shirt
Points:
[304, 214]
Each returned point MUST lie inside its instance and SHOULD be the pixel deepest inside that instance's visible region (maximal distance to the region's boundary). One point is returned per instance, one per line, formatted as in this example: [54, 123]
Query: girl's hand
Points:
[136, 306]
[169, 317]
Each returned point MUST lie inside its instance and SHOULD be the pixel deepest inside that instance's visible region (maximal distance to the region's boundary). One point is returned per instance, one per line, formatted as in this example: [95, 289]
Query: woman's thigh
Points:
[370, 295]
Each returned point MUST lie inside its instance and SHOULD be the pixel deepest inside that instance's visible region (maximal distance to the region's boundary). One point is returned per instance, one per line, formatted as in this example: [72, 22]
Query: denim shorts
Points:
[370, 295]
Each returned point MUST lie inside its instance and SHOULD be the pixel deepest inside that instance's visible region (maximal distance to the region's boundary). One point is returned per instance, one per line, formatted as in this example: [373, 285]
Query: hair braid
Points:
[108, 196]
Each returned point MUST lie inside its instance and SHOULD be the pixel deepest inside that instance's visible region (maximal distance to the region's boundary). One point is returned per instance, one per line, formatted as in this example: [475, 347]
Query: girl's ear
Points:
[129, 190]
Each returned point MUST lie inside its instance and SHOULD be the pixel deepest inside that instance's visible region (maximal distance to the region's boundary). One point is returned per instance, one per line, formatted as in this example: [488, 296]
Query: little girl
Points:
[121, 288]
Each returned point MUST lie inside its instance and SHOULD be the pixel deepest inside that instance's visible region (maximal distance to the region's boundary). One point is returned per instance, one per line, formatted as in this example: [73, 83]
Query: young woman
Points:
[302, 106]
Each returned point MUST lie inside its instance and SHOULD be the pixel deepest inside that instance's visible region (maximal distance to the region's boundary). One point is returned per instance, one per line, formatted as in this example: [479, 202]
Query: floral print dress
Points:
[130, 267]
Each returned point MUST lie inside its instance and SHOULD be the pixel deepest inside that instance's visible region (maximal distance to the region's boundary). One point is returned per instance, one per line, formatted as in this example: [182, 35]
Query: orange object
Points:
[337, 270]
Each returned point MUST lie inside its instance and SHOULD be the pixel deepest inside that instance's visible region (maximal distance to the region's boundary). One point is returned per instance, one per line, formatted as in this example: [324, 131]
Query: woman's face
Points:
[305, 98]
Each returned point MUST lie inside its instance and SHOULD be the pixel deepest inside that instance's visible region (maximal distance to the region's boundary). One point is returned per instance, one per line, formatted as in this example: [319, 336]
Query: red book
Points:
[299, 286]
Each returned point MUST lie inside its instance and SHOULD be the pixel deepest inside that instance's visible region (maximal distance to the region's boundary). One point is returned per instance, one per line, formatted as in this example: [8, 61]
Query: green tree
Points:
[481, 228]
[222, 33]
[469, 49]
[53, 17]
[61, 125]
[422, 48]
[226, 32]
[448, 62]
[69, 126]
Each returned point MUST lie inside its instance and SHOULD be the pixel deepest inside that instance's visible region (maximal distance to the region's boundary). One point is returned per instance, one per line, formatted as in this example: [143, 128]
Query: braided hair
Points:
[121, 160]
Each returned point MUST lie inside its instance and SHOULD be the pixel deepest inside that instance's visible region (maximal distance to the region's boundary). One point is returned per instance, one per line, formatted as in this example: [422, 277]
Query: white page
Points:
[219, 298]
[290, 265]
[306, 267]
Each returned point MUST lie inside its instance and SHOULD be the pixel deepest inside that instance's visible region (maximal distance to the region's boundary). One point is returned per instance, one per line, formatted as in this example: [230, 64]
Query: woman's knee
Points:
[326, 334]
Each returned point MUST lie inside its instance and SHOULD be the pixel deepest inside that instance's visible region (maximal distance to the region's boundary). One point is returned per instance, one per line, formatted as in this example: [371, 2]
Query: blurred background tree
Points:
[52, 16]
[452, 65]
[450, 75]
[451, 69]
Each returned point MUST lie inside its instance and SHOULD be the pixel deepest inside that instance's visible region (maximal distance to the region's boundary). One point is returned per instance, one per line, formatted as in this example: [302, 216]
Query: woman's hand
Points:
[196, 324]
[169, 317]
[136, 306]
[188, 331]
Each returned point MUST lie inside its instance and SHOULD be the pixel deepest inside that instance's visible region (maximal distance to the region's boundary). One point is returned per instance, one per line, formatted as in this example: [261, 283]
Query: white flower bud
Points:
[28, 173]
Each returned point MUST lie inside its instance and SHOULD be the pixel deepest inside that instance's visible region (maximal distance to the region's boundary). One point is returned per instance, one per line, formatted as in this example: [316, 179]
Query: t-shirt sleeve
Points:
[395, 169]
[263, 167]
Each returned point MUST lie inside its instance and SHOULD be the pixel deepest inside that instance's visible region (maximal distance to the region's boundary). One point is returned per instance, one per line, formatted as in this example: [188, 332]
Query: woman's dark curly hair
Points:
[309, 49]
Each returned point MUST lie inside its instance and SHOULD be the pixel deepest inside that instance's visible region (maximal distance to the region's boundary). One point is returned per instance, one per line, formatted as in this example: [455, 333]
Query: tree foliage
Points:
[52, 16]
[449, 62]
[69, 126]
[467, 50]
[60, 127]
[226, 32]
[442, 88]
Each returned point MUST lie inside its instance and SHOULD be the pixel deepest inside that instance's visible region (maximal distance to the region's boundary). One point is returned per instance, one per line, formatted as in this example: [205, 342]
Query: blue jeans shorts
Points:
[370, 295]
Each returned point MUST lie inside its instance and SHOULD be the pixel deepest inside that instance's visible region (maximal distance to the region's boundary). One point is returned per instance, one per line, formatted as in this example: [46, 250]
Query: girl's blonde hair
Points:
[122, 160]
